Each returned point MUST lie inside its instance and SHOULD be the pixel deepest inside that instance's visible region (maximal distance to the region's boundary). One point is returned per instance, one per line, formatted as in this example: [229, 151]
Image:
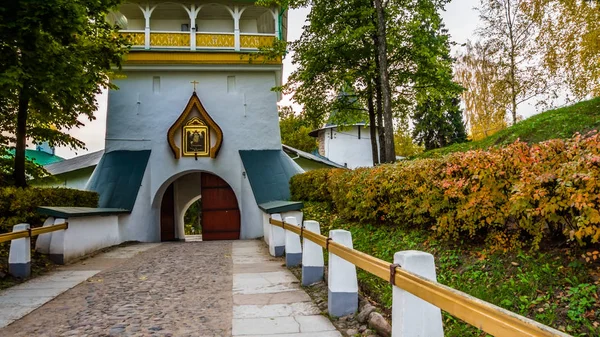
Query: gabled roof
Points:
[76, 163]
[39, 157]
[288, 149]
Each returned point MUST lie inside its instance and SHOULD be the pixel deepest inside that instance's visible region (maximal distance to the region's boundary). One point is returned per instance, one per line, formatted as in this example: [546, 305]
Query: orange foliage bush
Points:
[530, 192]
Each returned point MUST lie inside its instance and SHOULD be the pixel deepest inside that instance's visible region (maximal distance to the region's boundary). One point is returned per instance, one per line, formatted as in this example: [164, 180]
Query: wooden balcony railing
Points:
[196, 40]
[215, 40]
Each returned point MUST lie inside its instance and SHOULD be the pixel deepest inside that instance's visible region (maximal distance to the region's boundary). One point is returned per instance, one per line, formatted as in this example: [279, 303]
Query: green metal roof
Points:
[39, 157]
[269, 173]
[281, 206]
[118, 177]
[74, 212]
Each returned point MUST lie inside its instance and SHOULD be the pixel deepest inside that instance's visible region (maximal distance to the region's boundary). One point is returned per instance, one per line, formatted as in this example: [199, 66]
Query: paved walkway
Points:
[174, 289]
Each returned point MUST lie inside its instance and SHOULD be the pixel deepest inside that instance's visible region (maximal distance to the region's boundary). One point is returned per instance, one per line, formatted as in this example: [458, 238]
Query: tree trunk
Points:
[21, 136]
[390, 151]
[372, 125]
[513, 65]
[379, 115]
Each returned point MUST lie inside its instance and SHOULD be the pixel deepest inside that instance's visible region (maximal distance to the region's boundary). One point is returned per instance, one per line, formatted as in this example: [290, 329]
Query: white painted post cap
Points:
[19, 258]
[276, 238]
[412, 316]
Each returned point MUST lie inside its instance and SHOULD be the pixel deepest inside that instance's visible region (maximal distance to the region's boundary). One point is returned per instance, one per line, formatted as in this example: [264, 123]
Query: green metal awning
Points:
[118, 178]
[269, 173]
[75, 212]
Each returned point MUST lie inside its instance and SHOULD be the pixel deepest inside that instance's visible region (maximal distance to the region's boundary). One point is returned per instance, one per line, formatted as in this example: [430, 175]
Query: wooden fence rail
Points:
[32, 232]
[483, 315]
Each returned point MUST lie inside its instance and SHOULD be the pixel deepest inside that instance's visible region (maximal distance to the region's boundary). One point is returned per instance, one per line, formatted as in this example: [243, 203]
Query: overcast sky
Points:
[460, 19]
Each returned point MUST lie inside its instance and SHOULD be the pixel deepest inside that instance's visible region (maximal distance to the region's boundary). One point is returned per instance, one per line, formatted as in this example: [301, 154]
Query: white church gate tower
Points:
[195, 118]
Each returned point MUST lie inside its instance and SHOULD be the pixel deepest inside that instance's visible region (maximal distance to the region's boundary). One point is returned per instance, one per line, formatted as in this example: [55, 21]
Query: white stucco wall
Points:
[214, 25]
[84, 236]
[139, 118]
[345, 148]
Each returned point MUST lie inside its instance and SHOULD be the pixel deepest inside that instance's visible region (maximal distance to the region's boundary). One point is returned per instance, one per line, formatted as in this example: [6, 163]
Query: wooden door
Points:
[220, 212]
[167, 215]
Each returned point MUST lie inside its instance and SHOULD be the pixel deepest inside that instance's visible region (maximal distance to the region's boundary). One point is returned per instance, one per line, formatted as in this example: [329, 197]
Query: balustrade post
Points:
[276, 238]
[237, 14]
[266, 227]
[293, 249]
[412, 316]
[42, 244]
[313, 263]
[19, 258]
[276, 20]
[341, 279]
[57, 244]
[147, 11]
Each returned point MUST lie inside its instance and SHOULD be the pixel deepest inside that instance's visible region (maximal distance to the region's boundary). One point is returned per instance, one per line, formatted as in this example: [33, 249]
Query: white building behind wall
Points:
[349, 146]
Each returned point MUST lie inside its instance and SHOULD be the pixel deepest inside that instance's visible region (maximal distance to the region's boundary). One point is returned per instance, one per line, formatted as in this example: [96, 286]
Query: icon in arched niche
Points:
[196, 138]
[195, 131]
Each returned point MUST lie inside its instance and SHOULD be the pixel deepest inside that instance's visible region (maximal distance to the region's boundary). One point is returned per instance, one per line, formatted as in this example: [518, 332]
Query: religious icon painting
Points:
[195, 138]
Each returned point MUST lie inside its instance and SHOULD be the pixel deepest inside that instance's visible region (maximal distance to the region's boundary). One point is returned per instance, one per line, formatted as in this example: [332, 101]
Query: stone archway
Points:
[221, 218]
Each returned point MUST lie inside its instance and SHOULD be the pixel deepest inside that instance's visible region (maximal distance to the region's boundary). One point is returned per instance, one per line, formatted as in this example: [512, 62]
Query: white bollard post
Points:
[276, 238]
[266, 227]
[313, 263]
[293, 249]
[412, 316]
[57, 244]
[19, 259]
[341, 279]
[42, 243]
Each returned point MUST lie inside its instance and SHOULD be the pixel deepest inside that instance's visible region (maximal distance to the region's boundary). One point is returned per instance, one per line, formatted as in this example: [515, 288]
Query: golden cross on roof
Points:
[194, 83]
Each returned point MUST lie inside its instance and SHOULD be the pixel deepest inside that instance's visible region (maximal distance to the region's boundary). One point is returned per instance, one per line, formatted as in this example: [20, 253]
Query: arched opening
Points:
[220, 214]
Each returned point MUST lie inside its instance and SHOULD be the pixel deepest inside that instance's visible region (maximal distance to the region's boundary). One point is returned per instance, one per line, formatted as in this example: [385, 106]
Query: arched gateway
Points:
[194, 117]
[221, 218]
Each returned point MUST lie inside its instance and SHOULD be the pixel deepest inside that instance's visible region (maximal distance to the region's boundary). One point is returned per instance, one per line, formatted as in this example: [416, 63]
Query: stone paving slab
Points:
[268, 299]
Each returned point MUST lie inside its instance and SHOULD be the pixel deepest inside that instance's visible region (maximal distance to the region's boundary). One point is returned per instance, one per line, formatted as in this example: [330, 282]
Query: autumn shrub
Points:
[312, 186]
[18, 205]
[518, 194]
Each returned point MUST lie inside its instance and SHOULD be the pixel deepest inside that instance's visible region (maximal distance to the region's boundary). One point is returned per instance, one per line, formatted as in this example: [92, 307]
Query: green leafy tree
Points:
[55, 57]
[405, 145]
[438, 123]
[342, 48]
[294, 130]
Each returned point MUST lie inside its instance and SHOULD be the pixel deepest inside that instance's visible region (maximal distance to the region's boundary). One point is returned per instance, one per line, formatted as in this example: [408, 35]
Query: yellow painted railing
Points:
[203, 40]
[135, 38]
[215, 40]
[483, 315]
[32, 232]
[256, 41]
[168, 39]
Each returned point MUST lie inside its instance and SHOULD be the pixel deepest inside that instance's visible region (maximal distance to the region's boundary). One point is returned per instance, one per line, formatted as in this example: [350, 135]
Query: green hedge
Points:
[19, 205]
[511, 196]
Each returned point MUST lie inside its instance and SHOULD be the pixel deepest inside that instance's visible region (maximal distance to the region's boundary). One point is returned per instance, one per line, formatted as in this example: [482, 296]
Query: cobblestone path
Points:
[175, 289]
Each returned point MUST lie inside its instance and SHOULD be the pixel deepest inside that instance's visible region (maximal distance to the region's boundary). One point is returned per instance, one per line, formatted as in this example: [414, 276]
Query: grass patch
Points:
[554, 286]
[560, 123]
[40, 264]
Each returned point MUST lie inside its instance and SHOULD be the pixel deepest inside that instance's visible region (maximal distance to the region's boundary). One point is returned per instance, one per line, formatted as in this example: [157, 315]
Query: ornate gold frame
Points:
[195, 125]
[195, 102]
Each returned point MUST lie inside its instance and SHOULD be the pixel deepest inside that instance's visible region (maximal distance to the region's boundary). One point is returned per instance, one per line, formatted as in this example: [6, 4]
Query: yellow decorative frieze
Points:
[256, 41]
[193, 57]
[136, 39]
[169, 39]
[215, 40]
